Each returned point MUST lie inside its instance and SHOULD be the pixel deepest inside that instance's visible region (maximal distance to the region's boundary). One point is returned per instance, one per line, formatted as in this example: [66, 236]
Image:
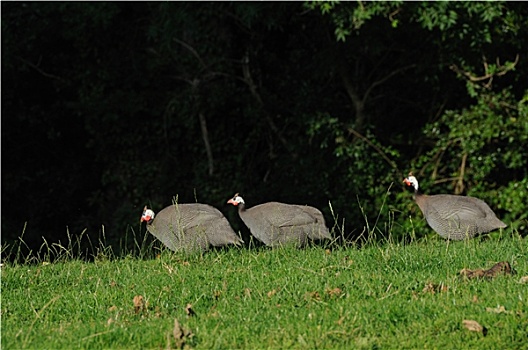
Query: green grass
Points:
[314, 298]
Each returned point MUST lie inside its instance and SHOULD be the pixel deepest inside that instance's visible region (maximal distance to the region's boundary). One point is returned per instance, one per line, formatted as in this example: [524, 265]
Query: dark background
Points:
[107, 107]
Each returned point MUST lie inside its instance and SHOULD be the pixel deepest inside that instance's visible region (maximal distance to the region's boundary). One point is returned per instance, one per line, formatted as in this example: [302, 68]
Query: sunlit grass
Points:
[386, 295]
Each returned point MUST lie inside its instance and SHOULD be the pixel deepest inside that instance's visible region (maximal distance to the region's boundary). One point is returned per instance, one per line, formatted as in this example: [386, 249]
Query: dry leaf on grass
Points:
[139, 304]
[334, 292]
[189, 311]
[498, 310]
[524, 279]
[499, 268]
[308, 296]
[474, 326]
[272, 293]
[435, 288]
[181, 335]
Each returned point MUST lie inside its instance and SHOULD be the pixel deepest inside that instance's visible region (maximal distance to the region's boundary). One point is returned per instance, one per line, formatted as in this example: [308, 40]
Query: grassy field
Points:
[387, 296]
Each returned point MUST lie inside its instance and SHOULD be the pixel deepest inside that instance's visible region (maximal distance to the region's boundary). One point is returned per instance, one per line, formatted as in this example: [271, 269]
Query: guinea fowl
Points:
[455, 217]
[190, 227]
[276, 224]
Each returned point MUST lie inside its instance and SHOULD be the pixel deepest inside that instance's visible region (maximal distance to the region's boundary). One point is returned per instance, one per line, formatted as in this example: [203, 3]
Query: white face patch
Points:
[413, 182]
[239, 199]
[148, 212]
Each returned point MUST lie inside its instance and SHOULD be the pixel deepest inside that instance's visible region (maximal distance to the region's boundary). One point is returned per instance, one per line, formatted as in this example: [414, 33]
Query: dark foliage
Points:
[107, 107]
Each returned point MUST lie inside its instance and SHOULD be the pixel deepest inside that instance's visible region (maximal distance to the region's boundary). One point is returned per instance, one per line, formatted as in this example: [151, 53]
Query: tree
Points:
[113, 106]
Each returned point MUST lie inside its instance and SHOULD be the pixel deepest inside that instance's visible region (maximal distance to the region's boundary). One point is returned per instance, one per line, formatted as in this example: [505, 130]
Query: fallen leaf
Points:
[467, 273]
[181, 335]
[524, 279]
[328, 252]
[474, 326]
[475, 299]
[498, 310]
[177, 331]
[139, 304]
[334, 292]
[312, 296]
[429, 288]
[189, 311]
[272, 293]
[247, 292]
[112, 308]
[502, 267]
[435, 288]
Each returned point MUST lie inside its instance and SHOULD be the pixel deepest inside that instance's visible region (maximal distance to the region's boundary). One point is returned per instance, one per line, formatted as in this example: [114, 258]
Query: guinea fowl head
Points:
[148, 215]
[236, 200]
[411, 181]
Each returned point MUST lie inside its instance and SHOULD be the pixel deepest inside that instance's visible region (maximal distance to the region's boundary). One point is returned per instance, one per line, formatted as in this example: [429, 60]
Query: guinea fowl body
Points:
[191, 227]
[276, 224]
[455, 217]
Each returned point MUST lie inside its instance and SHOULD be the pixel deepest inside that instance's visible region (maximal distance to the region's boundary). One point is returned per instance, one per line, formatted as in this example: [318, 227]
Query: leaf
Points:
[524, 279]
[139, 304]
[177, 331]
[474, 326]
[180, 334]
[189, 311]
[334, 292]
[499, 268]
[467, 273]
[272, 293]
[435, 288]
[308, 296]
[498, 310]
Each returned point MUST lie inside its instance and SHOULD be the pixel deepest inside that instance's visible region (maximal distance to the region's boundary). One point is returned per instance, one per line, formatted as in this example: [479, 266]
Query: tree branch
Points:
[192, 50]
[376, 148]
[248, 79]
[501, 70]
[384, 79]
[38, 69]
[205, 136]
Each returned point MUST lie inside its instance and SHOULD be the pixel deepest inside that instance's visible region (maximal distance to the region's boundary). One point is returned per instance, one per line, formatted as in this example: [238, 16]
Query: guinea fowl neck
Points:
[241, 207]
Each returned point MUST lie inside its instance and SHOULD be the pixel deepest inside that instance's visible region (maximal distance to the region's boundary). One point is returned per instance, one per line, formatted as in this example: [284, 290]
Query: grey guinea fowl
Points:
[455, 217]
[276, 224]
[190, 227]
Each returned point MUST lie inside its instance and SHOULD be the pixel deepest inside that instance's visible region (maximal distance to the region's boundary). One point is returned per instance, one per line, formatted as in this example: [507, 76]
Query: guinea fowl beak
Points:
[407, 182]
[231, 201]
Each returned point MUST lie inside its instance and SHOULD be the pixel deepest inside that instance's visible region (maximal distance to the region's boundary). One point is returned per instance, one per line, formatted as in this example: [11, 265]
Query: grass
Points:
[385, 295]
